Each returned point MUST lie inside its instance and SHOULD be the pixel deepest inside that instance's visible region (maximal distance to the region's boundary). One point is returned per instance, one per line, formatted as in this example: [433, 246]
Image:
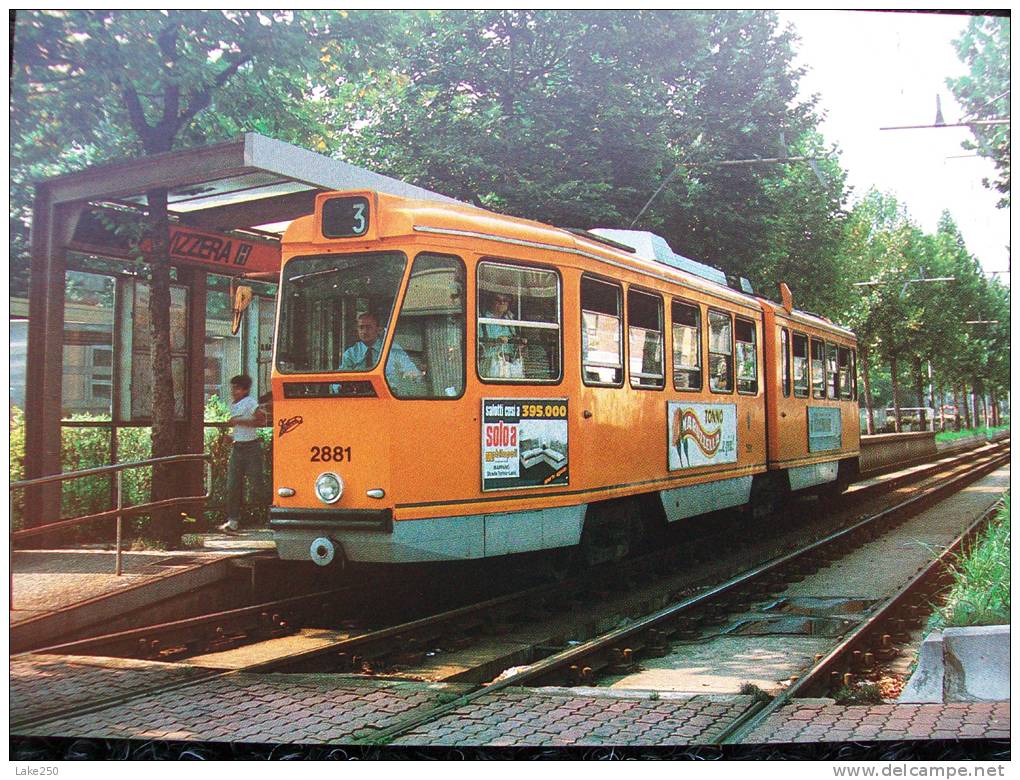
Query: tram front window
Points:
[335, 311]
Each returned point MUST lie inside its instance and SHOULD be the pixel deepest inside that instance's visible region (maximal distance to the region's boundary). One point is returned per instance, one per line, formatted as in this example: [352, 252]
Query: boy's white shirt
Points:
[245, 409]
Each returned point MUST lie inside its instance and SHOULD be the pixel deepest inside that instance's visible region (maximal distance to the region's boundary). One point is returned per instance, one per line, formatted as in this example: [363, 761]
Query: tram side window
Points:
[853, 371]
[784, 363]
[818, 368]
[720, 352]
[686, 346]
[831, 370]
[747, 357]
[518, 323]
[644, 339]
[426, 358]
[846, 389]
[601, 332]
[800, 365]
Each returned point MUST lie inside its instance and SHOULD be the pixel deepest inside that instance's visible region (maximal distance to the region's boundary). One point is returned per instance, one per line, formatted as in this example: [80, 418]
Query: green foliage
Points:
[980, 592]
[984, 92]
[16, 447]
[967, 432]
[89, 447]
[576, 118]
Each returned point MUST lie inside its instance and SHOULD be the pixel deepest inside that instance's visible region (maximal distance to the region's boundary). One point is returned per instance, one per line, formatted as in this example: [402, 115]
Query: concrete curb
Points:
[961, 665]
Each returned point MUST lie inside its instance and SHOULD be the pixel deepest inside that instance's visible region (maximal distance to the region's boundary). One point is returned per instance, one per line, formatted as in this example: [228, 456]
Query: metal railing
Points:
[120, 511]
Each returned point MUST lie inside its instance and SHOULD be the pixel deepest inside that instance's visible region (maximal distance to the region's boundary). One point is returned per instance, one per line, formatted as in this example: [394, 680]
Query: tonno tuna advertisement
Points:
[701, 434]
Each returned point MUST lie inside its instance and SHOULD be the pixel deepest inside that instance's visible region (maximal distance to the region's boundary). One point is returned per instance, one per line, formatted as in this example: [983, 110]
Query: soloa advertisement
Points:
[524, 443]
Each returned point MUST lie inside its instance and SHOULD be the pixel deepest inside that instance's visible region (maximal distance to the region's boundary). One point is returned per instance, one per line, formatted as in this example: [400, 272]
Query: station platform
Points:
[60, 594]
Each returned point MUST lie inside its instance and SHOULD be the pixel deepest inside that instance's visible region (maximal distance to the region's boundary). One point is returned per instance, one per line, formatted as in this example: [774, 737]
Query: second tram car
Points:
[454, 384]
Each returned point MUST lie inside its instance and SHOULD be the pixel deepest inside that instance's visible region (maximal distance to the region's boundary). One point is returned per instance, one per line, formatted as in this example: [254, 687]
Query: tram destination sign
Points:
[345, 217]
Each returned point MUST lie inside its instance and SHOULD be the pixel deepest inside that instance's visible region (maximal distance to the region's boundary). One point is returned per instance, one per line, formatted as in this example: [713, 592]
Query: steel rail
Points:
[838, 658]
[603, 644]
[146, 642]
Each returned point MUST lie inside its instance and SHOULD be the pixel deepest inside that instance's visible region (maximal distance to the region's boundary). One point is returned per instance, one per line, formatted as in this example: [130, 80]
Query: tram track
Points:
[207, 634]
[860, 653]
[404, 641]
[651, 635]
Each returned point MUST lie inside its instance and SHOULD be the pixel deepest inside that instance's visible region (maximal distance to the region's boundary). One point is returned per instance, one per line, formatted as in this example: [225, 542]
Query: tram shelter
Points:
[87, 315]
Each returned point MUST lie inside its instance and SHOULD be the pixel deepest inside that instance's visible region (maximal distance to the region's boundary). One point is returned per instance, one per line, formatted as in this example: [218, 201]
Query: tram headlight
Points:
[329, 487]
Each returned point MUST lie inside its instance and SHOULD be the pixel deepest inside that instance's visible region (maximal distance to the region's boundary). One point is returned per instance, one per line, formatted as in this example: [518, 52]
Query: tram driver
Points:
[364, 353]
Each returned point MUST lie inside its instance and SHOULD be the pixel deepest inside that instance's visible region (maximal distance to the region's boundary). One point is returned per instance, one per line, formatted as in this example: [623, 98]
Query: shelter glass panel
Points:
[426, 358]
[141, 356]
[19, 361]
[601, 332]
[222, 348]
[720, 352]
[89, 315]
[686, 346]
[335, 311]
[644, 339]
[518, 323]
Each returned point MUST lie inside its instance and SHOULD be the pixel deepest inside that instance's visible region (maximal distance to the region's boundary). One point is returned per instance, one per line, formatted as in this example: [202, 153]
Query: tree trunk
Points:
[166, 524]
[965, 396]
[866, 381]
[922, 416]
[895, 370]
[931, 398]
[995, 409]
[956, 403]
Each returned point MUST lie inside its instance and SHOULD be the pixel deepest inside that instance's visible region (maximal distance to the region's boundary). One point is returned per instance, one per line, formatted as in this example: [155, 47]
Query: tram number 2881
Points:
[327, 453]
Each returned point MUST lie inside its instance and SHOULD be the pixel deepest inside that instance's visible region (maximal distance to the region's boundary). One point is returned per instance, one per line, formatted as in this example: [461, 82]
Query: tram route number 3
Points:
[326, 454]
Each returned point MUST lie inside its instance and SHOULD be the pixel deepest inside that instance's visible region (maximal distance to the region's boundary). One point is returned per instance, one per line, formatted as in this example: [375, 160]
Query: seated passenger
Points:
[364, 354]
[500, 349]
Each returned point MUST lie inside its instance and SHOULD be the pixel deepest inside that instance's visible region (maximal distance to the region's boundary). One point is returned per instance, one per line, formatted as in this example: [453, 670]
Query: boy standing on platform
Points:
[246, 452]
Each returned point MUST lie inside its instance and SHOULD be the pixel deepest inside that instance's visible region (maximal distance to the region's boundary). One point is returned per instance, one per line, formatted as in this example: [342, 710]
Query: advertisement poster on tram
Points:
[524, 443]
[701, 434]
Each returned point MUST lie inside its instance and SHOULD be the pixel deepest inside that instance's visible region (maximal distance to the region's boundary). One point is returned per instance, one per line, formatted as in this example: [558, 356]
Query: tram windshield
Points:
[335, 310]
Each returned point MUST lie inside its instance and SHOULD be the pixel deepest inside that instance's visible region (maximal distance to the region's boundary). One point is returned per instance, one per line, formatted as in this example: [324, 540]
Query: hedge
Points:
[83, 448]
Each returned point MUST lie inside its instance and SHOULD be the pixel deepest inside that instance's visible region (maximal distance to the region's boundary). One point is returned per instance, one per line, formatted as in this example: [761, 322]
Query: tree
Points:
[984, 92]
[577, 118]
[165, 69]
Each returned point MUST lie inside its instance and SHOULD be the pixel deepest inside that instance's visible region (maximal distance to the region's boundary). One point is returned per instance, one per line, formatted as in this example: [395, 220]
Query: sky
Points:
[873, 70]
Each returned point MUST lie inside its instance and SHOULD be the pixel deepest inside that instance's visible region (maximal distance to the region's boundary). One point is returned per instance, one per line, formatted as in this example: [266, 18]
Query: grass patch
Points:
[863, 693]
[980, 592]
[966, 432]
[752, 690]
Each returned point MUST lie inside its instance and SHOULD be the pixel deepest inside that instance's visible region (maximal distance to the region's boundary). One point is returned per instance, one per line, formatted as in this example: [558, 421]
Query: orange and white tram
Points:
[454, 384]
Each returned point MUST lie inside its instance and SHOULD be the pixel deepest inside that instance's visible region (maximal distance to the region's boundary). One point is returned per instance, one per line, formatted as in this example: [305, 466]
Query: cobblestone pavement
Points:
[823, 721]
[42, 684]
[291, 708]
[524, 717]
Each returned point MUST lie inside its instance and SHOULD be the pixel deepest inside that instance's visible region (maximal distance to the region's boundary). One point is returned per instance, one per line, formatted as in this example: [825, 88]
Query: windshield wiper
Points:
[313, 273]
